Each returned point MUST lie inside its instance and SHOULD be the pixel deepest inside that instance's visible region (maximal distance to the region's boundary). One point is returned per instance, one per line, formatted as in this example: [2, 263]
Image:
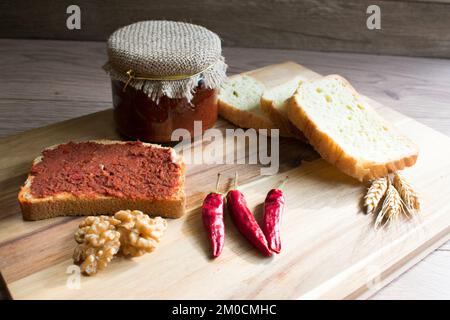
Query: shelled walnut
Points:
[100, 238]
[98, 242]
[139, 234]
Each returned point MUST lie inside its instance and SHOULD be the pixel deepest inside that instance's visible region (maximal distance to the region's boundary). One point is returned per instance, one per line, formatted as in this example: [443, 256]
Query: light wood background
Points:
[336, 252]
[47, 81]
[408, 27]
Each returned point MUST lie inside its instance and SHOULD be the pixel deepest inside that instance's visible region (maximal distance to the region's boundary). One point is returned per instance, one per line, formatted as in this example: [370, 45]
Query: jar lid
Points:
[166, 58]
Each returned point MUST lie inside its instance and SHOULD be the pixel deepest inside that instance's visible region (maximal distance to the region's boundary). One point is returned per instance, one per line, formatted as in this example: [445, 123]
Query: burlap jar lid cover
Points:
[166, 58]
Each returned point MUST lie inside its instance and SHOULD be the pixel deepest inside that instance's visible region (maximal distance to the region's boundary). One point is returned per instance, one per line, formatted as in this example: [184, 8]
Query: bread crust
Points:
[66, 204]
[246, 119]
[77, 206]
[334, 154]
[281, 120]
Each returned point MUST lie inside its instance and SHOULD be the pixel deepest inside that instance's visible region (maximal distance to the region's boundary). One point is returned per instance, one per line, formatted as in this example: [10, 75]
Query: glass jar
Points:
[165, 75]
[139, 117]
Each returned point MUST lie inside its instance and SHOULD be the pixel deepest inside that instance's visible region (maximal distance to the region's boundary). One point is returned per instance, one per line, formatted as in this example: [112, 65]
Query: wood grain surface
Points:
[420, 91]
[65, 78]
[331, 249]
[408, 27]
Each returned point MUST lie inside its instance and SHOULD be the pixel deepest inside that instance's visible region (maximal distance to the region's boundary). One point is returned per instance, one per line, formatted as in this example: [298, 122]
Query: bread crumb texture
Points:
[347, 131]
[243, 92]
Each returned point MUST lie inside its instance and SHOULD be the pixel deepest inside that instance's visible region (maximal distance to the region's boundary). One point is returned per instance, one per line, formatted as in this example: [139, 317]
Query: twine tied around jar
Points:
[132, 76]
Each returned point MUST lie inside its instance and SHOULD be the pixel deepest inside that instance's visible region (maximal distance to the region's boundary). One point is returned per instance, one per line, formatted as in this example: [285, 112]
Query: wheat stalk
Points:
[374, 194]
[407, 193]
[392, 207]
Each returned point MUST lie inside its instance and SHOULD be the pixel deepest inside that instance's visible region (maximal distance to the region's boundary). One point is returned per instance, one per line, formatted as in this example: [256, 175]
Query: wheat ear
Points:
[374, 194]
[392, 207]
[407, 193]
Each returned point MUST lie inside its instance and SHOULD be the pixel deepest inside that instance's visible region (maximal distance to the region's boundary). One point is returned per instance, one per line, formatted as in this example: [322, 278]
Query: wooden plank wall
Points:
[408, 27]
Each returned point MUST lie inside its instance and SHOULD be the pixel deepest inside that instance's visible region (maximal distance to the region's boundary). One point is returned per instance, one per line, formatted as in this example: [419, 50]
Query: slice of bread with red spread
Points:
[102, 177]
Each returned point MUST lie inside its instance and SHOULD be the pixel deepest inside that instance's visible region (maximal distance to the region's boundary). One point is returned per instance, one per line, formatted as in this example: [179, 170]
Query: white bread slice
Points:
[347, 132]
[239, 103]
[273, 103]
[273, 100]
[67, 204]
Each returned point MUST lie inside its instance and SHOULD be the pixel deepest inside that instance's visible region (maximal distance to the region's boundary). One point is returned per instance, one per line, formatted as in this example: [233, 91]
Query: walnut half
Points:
[139, 234]
[98, 242]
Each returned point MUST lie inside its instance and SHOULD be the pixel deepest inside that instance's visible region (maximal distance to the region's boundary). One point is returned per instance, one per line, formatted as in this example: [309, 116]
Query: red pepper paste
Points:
[139, 117]
[130, 170]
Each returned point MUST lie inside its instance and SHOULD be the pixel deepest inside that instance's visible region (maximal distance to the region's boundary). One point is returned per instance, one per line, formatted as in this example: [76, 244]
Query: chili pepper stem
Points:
[282, 183]
[235, 179]
[217, 182]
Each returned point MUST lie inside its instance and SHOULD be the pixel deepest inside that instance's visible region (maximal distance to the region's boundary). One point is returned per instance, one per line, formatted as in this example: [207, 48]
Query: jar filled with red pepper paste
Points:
[165, 75]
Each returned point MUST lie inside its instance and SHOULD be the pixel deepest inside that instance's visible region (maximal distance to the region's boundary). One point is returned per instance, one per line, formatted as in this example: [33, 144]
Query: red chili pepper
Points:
[273, 209]
[212, 215]
[245, 221]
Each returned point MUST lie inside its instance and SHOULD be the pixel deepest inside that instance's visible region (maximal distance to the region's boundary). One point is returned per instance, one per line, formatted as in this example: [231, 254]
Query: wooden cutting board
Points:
[330, 249]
